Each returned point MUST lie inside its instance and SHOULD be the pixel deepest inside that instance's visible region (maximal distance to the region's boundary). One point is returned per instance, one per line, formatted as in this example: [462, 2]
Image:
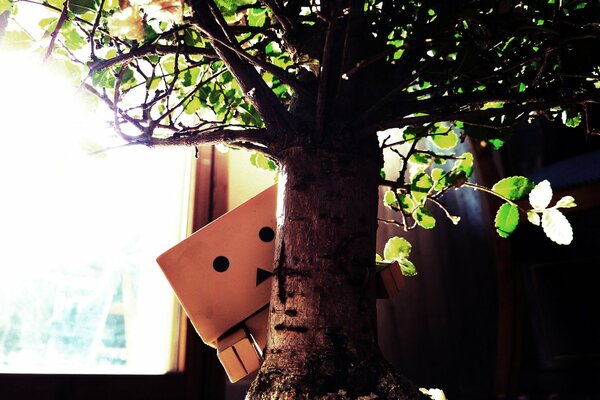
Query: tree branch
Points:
[274, 70]
[276, 118]
[153, 49]
[61, 20]
[93, 32]
[455, 108]
[116, 97]
[280, 15]
[257, 139]
[325, 78]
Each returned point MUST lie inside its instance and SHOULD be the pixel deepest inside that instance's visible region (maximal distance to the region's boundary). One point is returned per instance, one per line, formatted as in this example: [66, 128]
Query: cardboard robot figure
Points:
[222, 277]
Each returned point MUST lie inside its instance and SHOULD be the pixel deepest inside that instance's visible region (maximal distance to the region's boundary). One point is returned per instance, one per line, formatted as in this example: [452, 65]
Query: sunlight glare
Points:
[75, 228]
[44, 123]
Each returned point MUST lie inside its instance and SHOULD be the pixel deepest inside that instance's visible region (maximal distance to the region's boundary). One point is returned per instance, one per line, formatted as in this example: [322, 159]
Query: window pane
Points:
[80, 290]
[79, 287]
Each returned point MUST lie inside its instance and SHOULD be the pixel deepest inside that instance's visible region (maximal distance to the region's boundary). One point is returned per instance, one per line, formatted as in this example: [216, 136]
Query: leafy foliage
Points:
[267, 76]
[398, 249]
[553, 222]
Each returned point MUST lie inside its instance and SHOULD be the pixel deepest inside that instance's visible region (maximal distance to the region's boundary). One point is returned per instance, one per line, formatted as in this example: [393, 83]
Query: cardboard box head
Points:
[221, 274]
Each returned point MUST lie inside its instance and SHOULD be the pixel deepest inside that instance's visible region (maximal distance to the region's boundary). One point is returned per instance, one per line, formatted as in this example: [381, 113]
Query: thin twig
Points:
[475, 186]
[441, 206]
[153, 49]
[519, 106]
[61, 20]
[116, 97]
[94, 28]
[111, 105]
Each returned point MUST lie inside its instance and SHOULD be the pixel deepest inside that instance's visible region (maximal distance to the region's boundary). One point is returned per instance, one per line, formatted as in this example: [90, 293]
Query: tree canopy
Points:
[270, 75]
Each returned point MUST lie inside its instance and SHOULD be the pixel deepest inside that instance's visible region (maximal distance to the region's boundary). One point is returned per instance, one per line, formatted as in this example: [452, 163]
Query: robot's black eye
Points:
[220, 264]
[266, 234]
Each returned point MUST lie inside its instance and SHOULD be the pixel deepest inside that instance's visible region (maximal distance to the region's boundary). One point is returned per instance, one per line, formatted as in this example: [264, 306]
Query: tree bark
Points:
[322, 336]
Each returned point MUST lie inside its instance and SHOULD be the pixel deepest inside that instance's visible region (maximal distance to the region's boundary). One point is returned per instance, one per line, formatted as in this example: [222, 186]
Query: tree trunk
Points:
[322, 335]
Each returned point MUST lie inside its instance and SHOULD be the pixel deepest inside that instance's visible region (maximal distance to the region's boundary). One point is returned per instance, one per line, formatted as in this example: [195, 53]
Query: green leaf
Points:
[437, 174]
[496, 143]
[445, 141]
[424, 218]
[154, 82]
[104, 79]
[83, 6]
[566, 202]
[407, 202]
[257, 17]
[421, 186]
[396, 249]
[226, 77]
[420, 158]
[168, 63]
[56, 3]
[495, 137]
[571, 118]
[557, 227]
[507, 219]
[190, 77]
[439, 178]
[464, 164]
[110, 4]
[492, 104]
[514, 187]
[259, 160]
[533, 217]
[214, 97]
[522, 87]
[435, 394]
[462, 170]
[193, 105]
[16, 40]
[73, 40]
[5, 5]
[389, 199]
[413, 132]
[407, 268]
[191, 37]
[541, 195]
[47, 24]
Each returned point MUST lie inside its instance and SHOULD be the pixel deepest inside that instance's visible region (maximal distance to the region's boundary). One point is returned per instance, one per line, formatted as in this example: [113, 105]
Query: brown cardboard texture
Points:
[238, 355]
[392, 280]
[222, 273]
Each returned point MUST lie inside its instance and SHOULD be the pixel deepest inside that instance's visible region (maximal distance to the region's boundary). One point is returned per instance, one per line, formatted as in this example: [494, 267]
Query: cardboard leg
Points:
[237, 354]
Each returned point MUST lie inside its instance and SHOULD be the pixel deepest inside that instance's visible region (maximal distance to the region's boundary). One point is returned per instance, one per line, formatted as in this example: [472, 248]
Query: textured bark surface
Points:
[322, 339]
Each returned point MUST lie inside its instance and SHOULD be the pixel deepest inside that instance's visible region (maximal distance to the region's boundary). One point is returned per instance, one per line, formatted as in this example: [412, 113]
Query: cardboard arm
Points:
[389, 280]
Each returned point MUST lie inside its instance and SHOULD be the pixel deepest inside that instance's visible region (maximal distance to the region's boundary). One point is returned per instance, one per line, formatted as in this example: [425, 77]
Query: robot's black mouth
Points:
[262, 275]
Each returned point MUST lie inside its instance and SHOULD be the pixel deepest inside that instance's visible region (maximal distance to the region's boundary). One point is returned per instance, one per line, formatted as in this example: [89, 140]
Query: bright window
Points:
[80, 291]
